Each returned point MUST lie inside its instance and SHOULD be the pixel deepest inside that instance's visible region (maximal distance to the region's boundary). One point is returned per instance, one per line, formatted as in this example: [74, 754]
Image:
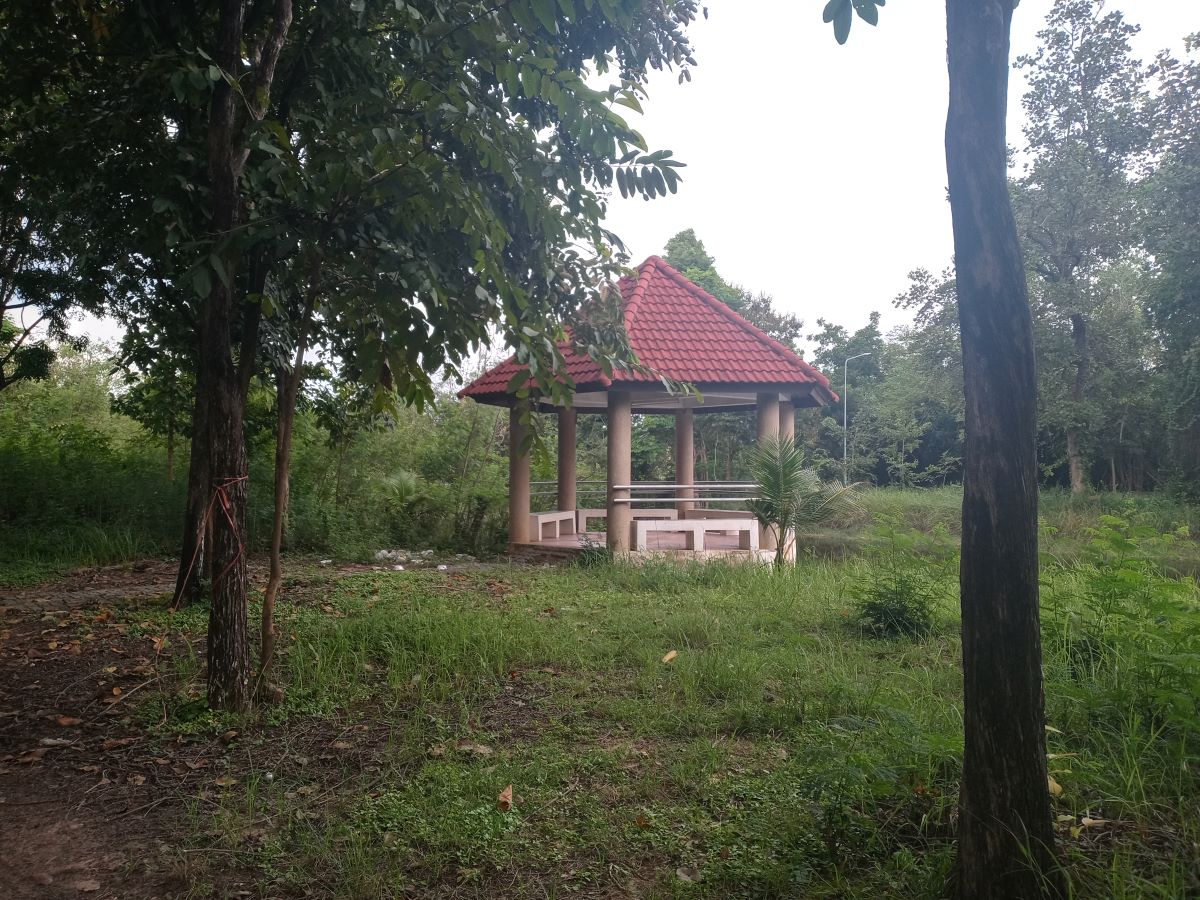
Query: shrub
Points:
[904, 584]
[897, 602]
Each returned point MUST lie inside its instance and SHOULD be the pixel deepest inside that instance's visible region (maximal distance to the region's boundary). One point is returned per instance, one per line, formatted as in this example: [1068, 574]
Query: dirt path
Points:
[87, 802]
[94, 800]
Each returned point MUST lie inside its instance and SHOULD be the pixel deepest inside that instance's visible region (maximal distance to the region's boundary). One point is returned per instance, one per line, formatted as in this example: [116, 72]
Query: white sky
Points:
[815, 172]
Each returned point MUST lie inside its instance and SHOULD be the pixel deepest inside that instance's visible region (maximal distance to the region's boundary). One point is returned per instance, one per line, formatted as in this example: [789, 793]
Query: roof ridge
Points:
[780, 349]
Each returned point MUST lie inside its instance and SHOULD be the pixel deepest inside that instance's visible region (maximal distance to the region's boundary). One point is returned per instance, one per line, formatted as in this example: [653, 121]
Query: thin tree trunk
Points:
[1078, 388]
[1005, 839]
[286, 393]
[220, 382]
[192, 556]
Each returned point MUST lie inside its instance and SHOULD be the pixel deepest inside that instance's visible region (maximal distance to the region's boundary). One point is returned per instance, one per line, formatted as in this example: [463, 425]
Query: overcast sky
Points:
[816, 172]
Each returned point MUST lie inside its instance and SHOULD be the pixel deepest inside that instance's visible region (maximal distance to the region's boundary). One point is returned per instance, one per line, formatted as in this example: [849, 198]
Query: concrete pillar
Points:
[685, 459]
[787, 420]
[518, 474]
[567, 420]
[620, 468]
[768, 427]
[768, 415]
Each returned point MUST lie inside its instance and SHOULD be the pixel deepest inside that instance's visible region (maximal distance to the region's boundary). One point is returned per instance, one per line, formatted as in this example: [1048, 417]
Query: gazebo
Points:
[680, 331]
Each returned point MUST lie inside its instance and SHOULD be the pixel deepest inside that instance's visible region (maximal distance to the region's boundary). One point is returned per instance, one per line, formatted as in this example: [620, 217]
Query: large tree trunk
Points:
[286, 394]
[1078, 388]
[192, 556]
[1006, 839]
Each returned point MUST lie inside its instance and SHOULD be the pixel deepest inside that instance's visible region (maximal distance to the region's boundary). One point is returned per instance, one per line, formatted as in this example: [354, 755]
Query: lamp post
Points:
[845, 405]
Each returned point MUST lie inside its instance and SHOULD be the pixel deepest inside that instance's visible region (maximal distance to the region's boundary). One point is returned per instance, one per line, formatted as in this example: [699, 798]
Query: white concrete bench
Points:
[546, 526]
[718, 514]
[602, 513]
[693, 531]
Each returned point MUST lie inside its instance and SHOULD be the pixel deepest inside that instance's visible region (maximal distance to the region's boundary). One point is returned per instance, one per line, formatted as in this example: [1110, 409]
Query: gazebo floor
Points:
[717, 546]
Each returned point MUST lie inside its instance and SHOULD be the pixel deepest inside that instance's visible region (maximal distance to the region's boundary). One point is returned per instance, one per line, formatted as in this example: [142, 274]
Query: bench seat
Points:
[602, 513]
[694, 530]
[546, 526]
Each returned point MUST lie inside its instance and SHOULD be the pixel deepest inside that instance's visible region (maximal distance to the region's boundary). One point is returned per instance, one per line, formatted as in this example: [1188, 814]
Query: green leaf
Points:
[630, 101]
[201, 282]
[219, 267]
[544, 10]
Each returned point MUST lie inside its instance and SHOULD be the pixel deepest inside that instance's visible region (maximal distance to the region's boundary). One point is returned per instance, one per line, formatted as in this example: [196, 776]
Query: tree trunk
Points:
[221, 383]
[1006, 839]
[192, 555]
[286, 393]
[218, 385]
[1078, 387]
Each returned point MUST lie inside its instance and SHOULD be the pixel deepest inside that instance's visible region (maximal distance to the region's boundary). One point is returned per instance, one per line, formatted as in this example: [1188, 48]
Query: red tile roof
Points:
[680, 331]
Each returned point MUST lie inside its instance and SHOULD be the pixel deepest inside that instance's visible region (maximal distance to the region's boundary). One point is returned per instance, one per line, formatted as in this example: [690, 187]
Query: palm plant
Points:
[791, 497]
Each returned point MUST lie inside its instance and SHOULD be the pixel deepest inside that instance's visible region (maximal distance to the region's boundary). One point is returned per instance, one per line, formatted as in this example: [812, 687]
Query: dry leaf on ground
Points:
[505, 801]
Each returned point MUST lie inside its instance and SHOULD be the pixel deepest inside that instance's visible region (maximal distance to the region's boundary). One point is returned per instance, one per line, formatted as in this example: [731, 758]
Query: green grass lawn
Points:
[693, 731]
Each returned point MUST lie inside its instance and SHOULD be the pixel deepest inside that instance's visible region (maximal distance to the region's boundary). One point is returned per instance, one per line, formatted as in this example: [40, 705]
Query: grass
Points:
[29, 557]
[780, 752]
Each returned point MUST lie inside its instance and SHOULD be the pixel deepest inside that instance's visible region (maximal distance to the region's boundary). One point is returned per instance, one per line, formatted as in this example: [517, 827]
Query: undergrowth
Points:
[713, 730]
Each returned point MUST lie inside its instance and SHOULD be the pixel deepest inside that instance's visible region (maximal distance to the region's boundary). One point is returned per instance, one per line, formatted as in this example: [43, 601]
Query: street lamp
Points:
[845, 404]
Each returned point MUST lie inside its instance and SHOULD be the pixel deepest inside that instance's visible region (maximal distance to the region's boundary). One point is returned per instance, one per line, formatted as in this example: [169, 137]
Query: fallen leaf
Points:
[137, 779]
[56, 742]
[1089, 822]
[671, 654]
[32, 756]
[1052, 730]
[1055, 788]
[225, 781]
[641, 820]
[505, 801]
[159, 643]
[114, 743]
[690, 874]
[341, 745]
[229, 737]
[87, 886]
[67, 721]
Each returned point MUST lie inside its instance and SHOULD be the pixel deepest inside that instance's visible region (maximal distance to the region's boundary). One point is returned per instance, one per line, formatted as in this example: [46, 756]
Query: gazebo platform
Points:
[669, 544]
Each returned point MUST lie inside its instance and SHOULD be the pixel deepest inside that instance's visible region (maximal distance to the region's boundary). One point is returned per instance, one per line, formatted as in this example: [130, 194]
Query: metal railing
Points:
[642, 492]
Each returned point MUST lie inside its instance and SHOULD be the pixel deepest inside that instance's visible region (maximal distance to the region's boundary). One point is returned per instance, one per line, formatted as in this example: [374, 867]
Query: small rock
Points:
[443, 568]
[326, 562]
[397, 568]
